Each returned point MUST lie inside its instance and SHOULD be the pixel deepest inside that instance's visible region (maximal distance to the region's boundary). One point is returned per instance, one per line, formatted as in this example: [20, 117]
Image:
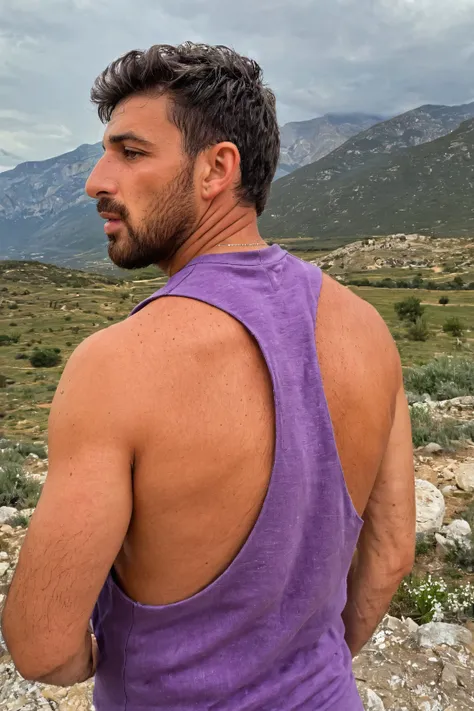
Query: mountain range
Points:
[45, 214]
[341, 194]
[304, 142]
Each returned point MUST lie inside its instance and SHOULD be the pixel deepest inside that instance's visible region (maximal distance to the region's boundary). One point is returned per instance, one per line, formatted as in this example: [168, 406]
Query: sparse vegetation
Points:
[462, 555]
[409, 309]
[454, 327]
[433, 600]
[45, 358]
[425, 545]
[419, 330]
[20, 520]
[16, 489]
[442, 378]
[445, 431]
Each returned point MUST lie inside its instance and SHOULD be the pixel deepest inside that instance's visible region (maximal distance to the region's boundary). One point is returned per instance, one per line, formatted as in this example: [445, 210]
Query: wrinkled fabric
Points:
[267, 635]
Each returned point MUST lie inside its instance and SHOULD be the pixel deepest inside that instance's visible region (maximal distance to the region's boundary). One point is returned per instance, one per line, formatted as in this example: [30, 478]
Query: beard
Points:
[168, 224]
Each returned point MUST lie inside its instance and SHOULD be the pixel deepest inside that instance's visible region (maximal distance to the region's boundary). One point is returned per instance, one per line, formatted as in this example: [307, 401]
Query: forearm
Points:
[369, 594]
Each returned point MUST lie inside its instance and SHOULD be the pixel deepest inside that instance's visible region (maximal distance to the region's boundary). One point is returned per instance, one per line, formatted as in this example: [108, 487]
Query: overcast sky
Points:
[375, 56]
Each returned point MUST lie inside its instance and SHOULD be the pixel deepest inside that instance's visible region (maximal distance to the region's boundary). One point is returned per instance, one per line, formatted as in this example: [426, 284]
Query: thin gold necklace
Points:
[243, 244]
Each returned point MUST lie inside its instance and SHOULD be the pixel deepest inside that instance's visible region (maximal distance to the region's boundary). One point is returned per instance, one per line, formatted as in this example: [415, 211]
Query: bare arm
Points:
[386, 546]
[79, 524]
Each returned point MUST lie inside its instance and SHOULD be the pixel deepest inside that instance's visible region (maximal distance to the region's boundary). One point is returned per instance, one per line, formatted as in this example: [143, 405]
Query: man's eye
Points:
[130, 154]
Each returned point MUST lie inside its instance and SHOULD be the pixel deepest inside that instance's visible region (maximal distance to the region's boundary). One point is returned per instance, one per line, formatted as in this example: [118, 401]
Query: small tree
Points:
[458, 281]
[45, 358]
[454, 327]
[418, 331]
[444, 300]
[409, 309]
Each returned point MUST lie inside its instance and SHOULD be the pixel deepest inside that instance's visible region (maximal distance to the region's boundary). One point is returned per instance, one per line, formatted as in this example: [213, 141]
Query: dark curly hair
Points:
[216, 95]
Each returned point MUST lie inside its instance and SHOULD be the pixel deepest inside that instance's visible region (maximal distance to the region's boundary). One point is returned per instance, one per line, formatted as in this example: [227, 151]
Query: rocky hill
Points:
[304, 142]
[401, 251]
[361, 189]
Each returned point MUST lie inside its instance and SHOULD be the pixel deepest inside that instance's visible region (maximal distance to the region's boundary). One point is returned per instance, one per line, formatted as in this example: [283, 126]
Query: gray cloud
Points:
[378, 56]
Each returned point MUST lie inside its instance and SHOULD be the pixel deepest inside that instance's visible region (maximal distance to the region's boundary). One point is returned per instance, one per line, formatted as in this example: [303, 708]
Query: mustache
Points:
[108, 205]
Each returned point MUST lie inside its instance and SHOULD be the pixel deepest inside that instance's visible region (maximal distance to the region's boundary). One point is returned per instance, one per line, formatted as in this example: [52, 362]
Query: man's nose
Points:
[99, 183]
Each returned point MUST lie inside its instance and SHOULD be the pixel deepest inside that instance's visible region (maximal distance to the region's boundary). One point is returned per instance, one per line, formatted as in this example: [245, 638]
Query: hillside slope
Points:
[427, 188]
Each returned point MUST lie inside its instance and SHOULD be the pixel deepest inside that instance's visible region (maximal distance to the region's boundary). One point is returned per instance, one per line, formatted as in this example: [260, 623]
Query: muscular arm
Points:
[79, 524]
[386, 546]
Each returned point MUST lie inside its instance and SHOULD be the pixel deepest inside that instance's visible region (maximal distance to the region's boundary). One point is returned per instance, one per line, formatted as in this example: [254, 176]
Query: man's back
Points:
[210, 448]
[198, 395]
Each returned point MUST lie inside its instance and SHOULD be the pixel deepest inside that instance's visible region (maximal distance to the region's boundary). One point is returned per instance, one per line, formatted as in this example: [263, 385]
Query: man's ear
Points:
[221, 169]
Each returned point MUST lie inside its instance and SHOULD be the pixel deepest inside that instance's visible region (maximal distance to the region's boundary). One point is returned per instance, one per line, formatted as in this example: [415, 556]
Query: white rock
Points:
[459, 531]
[430, 507]
[436, 633]
[411, 625]
[3, 568]
[447, 490]
[6, 513]
[372, 701]
[3, 556]
[433, 448]
[465, 477]
[449, 676]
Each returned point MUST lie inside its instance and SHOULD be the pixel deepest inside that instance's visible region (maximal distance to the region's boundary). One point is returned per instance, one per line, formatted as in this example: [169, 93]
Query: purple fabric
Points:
[267, 635]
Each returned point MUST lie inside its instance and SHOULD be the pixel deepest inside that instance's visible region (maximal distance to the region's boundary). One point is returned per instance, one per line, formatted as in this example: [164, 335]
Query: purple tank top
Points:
[266, 635]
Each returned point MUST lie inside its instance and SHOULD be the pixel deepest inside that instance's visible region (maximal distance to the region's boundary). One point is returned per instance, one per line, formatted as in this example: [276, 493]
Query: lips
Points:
[111, 226]
[114, 222]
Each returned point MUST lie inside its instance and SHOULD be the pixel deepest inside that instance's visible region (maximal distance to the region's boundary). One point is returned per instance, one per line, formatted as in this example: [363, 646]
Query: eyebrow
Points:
[128, 136]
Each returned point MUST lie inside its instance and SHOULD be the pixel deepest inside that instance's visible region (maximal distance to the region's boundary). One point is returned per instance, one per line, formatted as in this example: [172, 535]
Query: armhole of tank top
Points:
[166, 290]
[316, 287]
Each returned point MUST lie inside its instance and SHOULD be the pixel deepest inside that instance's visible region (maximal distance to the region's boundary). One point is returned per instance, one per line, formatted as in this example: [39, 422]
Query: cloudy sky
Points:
[375, 56]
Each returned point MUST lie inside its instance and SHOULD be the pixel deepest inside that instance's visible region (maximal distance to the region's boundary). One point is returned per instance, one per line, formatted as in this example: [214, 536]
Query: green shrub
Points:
[19, 520]
[425, 545]
[409, 309]
[462, 556]
[418, 331]
[67, 318]
[15, 488]
[26, 448]
[8, 340]
[45, 358]
[444, 300]
[442, 378]
[454, 326]
[426, 429]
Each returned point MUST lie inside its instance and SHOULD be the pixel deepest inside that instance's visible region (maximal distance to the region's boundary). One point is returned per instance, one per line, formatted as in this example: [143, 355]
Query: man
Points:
[230, 493]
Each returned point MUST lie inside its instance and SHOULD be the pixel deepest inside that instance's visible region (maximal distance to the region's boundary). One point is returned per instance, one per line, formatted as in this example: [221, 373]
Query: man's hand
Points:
[80, 522]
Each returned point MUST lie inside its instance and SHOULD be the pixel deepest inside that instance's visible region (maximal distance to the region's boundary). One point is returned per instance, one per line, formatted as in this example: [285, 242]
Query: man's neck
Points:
[234, 226]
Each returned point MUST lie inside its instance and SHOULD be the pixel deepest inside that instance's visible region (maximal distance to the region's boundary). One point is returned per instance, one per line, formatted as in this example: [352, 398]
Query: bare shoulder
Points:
[352, 329]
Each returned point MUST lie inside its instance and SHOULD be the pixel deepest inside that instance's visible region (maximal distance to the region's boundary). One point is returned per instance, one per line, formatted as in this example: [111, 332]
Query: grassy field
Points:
[42, 306]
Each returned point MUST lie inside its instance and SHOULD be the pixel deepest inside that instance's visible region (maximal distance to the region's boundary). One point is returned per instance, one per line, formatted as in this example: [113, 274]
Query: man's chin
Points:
[125, 260]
